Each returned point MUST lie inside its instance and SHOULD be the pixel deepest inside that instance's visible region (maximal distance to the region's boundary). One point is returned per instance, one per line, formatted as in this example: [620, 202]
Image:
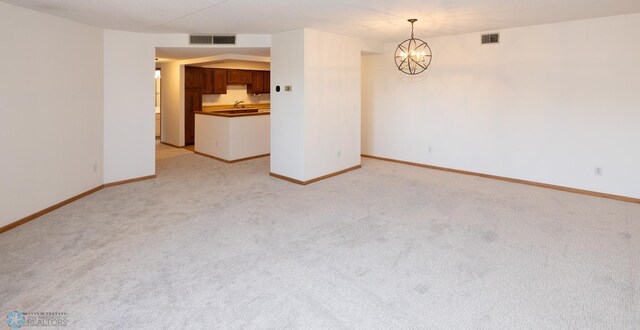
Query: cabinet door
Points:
[193, 77]
[208, 82]
[192, 103]
[267, 82]
[239, 77]
[246, 77]
[257, 83]
[220, 81]
[233, 77]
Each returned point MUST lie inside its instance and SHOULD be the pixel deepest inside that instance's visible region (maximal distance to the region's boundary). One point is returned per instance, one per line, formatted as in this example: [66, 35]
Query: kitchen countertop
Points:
[226, 110]
[225, 113]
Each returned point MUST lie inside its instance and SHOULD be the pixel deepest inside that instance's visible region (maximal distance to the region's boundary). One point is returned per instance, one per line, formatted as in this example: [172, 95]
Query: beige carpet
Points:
[215, 245]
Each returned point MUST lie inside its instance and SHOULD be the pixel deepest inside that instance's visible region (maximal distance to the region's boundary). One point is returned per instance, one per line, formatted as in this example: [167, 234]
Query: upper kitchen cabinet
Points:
[240, 77]
[257, 83]
[261, 82]
[193, 77]
[220, 81]
[215, 81]
[267, 82]
[208, 81]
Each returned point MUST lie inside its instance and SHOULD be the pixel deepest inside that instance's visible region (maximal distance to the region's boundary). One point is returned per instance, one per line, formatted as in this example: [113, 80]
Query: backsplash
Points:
[234, 93]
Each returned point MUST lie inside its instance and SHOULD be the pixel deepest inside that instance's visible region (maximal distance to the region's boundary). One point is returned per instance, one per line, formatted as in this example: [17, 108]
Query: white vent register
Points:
[203, 39]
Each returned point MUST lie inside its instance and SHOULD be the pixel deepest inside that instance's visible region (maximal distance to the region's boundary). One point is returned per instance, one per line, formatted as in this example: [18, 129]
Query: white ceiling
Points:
[382, 20]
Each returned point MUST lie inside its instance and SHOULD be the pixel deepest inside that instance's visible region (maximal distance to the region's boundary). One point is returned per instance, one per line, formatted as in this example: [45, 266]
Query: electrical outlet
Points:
[430, 149]
[339, 153]
[95, 168]
[598, 171]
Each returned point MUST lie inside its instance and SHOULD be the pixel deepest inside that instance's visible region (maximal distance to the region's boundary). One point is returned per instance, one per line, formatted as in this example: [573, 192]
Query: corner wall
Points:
[331, 103]
[129, 110]
[51, 108]
[287, 108]
[315, 128]
[172, 111]
[548, 104]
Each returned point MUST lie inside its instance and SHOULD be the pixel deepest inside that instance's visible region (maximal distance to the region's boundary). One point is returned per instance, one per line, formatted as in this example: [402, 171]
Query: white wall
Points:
[248, 136]
[212, 136]
[331, 103]
[287, 108]
[51, 106]
[232, 138]
[315, 128]
[129, 112]
[172, 114]
[547, 104]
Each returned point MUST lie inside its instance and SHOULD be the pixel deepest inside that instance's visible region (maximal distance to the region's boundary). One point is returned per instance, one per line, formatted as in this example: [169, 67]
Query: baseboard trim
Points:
[117, 183]
[230, 161]
[171, 145]
[502, 178]
[48, 209]
[68, 201]
[304, 183]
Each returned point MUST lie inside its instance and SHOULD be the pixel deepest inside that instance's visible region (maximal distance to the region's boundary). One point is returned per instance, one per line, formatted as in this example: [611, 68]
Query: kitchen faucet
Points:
[236, 105]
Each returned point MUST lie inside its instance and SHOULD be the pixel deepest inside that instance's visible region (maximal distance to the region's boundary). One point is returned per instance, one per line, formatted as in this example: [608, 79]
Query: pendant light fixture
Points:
[413, 55]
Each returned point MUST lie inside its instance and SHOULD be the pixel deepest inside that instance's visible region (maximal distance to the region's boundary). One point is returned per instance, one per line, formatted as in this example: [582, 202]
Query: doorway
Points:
[158, 103]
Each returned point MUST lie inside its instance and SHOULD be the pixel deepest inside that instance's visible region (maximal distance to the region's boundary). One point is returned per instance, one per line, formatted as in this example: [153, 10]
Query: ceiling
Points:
[380, 20]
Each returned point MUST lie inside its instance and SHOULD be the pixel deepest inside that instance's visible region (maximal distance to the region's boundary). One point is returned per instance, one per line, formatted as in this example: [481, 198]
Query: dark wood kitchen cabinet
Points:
[193, 77]
[215, 81]
[257, 83]
[207, 86]
[240, 77]
[192, 103]
[220, 81]
[267, 82]
[261, 82]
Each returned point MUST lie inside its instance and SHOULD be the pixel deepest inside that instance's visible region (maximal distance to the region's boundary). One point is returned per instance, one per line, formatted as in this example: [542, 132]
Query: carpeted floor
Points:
[214, 245]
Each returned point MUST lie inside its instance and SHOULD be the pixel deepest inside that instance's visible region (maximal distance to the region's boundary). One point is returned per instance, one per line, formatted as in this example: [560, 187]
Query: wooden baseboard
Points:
[68, 201]
[49, 209]
[172, 145]
[502, 178]
[230, 161]
[117, 183]
[250, 158]
[304, 183]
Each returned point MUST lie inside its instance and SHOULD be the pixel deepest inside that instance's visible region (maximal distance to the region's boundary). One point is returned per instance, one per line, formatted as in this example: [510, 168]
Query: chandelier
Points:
[413, 55]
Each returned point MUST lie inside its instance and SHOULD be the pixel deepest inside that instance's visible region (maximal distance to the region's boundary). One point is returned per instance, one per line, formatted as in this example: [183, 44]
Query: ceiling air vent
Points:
[493, 38]
[224, 40]
[200, 40]
[211, 40]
